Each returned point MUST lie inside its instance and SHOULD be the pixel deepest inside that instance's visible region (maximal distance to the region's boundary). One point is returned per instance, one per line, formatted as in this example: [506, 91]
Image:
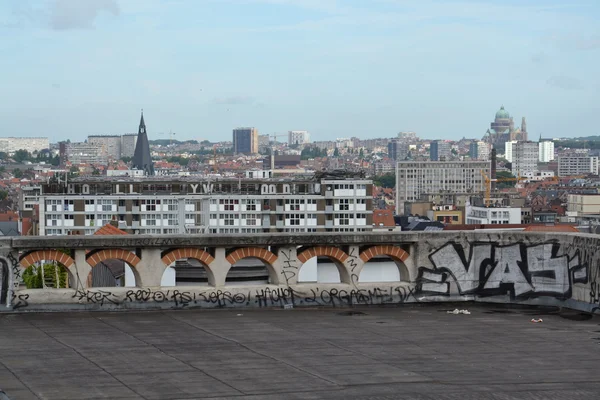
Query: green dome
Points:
[502, 114]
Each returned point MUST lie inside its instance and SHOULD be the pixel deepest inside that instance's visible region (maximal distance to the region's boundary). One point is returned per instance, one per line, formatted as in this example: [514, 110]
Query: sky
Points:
[337, 68]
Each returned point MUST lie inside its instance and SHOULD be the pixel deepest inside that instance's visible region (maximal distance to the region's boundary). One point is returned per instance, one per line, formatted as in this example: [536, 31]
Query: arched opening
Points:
[112, 268]
[187, 267]
[47, 269]
[384, 264]
[250, 266]
[322, 265]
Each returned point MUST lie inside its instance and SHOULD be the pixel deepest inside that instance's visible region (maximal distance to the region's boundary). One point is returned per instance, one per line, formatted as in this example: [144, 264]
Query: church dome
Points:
[502, 114]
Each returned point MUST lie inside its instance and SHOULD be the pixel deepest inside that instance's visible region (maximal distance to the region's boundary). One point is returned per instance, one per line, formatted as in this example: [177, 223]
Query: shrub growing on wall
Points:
[55, 276]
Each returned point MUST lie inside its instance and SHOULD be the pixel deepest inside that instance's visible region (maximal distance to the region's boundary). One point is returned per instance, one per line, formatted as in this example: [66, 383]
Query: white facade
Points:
[110, 144]
[493, 215]
[524, 157]
[86, 153]
[577, 165]
[31, 144]
[508, 150]
[538, 176]
[546, 151]
[414, 178]
[483, 150]
[128, 142]
[298, 137]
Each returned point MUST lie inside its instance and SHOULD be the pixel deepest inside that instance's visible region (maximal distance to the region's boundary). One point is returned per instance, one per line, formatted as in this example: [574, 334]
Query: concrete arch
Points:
[400, 256]
[98, 256]
[49, 255]
[198, 254]
[264, 255]
[256, 252]
[337, 255]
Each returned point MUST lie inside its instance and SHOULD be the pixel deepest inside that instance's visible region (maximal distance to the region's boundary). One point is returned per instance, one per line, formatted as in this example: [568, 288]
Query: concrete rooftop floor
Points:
[412, 352]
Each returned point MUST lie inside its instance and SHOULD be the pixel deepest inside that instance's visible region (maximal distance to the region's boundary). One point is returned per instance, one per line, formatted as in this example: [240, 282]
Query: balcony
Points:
[280, 224]
[328, 209]
[329, 224]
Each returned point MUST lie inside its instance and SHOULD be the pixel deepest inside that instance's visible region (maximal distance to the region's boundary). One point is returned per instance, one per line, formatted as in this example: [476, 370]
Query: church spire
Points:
[142, 159]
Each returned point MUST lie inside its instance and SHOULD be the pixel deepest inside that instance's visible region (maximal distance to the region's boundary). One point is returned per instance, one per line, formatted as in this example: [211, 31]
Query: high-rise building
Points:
[524, 158]
[128, 142]
[577, 165]
[508, 150]
[398, 149]
[31, 144]
[86, 153]
[479, 150]
[440, 150]
[110, 144]
[546, 150]
[415, 178]
[142, 160]
[245, 140]
[298, 137]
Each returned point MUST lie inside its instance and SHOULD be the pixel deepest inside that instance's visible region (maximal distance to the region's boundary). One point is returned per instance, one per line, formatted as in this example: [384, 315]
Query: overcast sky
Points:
[368, 68]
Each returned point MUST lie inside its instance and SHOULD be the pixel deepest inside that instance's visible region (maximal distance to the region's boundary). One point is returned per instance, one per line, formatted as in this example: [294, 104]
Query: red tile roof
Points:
[109, 229]
[383, 218]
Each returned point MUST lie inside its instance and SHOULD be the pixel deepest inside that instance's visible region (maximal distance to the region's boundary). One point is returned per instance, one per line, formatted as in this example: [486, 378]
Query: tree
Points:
[49, 275]
[3, 156]
[386, 180]
[17, 173]
[505, 184]
[21, 155]
[3, 194]
[336, 152]
[361, 154]
[126, 159]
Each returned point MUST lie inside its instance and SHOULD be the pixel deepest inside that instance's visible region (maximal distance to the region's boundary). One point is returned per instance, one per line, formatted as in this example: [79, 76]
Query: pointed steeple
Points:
[141, 157]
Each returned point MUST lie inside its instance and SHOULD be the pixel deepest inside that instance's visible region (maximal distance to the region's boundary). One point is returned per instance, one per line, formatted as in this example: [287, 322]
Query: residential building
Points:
[546, 150]
[508, 150]
[415, 178]
[446, 214]
[493, 215]
[524, 157]
[31, 144]
[398, 149]
[298, 137]
[245, 141]
[85, 153]
[577, 164]
[156, 205]
[583, 204]
[128, 142]
[440, 150]
[110, 144]
[479, 150]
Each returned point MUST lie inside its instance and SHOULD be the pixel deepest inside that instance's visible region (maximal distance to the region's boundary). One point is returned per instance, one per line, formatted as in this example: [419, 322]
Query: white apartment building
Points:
[524, 157]
[483, 150]
[298, 137]
[546, 151]
[110, 144]
[583, 204]
[508, 150]
[86, 153]
[492, 215]
[414, 178]
[577, 165]
[128, 142]
[194, 205]
[31, 144]
[538, 176]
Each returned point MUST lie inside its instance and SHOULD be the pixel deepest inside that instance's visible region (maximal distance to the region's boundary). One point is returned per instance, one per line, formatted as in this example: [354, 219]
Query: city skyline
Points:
[335, 69]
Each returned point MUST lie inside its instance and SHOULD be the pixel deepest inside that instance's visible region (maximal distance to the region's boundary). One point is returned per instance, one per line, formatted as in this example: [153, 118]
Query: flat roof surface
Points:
[412, 352]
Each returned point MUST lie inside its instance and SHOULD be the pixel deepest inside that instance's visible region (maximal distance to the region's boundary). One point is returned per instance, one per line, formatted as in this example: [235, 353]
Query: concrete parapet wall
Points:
[495, 266]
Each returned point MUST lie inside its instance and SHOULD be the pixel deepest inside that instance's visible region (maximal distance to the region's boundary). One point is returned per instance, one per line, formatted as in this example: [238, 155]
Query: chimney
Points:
[493, 171]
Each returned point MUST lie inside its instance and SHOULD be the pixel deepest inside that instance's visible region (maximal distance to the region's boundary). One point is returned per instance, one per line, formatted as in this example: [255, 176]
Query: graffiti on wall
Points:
[489, 269]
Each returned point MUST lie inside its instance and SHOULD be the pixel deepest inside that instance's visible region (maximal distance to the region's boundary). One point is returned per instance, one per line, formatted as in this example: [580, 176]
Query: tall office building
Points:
[245, 140]
[398, 149]
[479, 150]
[508, 150]
[298, 137]
[546, 150]
[142, 160]
[440, 150]
[524, 158]
[110, 144]
[414, 178]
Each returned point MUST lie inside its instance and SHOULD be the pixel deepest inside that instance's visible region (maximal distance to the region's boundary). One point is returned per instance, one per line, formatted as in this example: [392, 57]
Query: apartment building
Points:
[577, 165]
[31, 144]
[493, 215]
[415, 178]
[156, 205]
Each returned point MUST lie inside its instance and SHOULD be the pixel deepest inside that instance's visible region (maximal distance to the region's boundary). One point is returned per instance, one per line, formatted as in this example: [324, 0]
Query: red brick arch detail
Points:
[390, 251]
[257, 252]
[326, 251]
[107, 254]
[177, 254]
[50, 255]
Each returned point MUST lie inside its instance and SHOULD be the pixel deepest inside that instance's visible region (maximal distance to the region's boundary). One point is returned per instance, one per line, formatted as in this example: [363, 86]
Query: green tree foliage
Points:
[51, 275]
[21, 155]
[336, 152]
[3, 156]
[505, 184]
[17, 173]
[179, 160]
[312, 152]
[3, 194]
[386, 180]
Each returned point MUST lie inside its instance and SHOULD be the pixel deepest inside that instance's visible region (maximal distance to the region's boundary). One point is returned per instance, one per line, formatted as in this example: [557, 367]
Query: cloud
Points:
[235, 100]
[79, 14]
[565, 82]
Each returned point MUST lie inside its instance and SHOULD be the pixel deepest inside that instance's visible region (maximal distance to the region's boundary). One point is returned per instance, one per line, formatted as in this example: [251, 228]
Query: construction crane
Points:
[171, 134]
[488, 185]
[274, 136]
